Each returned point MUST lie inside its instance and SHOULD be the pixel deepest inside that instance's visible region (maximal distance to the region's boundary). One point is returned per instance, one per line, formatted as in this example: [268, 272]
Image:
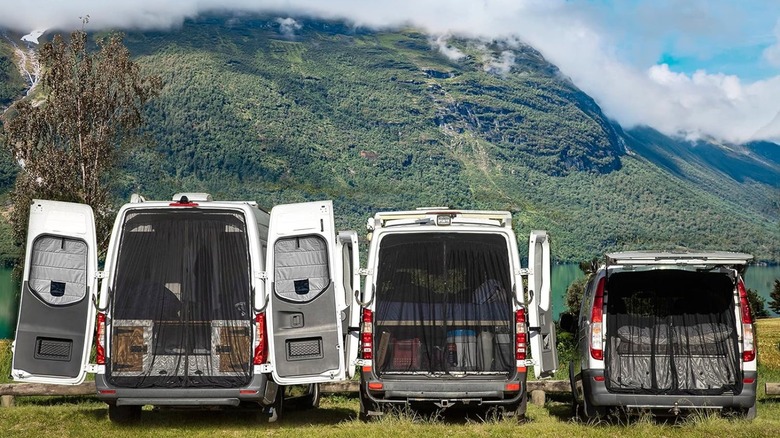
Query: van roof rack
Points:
[429, 215]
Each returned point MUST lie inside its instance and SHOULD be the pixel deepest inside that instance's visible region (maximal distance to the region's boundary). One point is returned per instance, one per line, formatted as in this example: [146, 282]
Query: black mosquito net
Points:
[181, 301]
[443, 304]
[671, 332]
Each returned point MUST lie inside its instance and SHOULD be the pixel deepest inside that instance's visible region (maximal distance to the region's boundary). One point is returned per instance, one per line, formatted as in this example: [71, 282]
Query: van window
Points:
[58, 270]
[301, 270]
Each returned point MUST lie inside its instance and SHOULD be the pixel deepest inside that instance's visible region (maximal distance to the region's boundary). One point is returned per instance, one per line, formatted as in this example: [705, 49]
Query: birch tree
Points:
[67, 137]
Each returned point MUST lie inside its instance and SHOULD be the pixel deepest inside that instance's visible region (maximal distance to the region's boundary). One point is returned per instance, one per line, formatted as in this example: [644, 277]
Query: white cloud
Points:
[608, 49]
[772, 53]
[288, 26]
[501, 65]
[440, 43]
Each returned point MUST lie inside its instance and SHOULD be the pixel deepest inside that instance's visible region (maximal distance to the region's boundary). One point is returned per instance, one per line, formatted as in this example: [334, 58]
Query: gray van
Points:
[665, 332]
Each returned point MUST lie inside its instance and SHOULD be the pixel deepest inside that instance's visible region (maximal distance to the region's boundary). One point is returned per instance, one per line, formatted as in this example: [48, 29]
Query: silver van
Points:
[665, 332]
[201, 303]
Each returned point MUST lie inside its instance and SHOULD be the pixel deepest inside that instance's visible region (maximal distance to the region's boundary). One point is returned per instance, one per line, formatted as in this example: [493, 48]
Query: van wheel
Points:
[312, 399]
[366, 405]
[589, 413]
[124, 414]
[517, 411]
[746, 414]
[277, 408]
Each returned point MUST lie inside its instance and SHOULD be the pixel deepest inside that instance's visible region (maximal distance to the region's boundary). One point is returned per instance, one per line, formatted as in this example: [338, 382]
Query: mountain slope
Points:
[381, 120]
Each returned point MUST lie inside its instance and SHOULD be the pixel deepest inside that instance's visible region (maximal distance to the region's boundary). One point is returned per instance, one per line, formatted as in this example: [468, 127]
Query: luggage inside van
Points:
[672, 331]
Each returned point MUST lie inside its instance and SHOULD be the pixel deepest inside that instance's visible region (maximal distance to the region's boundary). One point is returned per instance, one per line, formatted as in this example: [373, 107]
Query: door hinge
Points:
[365, 271]
[530, 363]
[362, 362]
[94, 368]
[263, 275]
[525, 271]
[100, 275]
[264, 368]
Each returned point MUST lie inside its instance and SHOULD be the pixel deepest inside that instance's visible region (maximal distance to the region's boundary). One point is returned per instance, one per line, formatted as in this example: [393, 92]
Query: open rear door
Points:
[540, 317]
[56, 314]
[350, 313]
[306, 340]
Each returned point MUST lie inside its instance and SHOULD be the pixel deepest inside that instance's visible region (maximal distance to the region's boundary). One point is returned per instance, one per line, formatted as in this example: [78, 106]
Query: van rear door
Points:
[306, 341]
[350, 313]
[56, 312]
[540, 315]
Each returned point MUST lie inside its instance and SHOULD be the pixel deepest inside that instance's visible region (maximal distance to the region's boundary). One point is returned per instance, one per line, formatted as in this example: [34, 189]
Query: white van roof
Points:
[440, 216]
[678, 258]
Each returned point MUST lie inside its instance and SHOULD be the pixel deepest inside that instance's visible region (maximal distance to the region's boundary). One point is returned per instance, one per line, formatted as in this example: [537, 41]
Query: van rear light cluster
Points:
[596, 322]
[261, 349]
[367, 335]
[748, 346]
[100, 342]
[521, 335]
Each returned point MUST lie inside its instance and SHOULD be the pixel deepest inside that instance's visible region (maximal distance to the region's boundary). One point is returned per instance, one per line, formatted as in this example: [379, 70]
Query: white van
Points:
[665, 332]
[202, 303]
[446, 318]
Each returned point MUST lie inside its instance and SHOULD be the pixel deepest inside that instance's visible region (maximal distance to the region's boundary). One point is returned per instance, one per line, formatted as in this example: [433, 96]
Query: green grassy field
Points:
[337, 416]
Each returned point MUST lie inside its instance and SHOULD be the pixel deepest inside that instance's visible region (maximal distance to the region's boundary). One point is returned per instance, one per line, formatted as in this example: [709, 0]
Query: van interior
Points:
[443, 305]
[672, 331]
[180, 301]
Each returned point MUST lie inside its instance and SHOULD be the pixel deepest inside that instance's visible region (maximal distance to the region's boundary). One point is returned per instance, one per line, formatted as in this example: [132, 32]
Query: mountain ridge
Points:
[382, 120]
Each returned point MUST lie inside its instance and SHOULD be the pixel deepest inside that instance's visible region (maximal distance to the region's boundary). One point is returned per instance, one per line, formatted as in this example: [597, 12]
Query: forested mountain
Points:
[381, 120]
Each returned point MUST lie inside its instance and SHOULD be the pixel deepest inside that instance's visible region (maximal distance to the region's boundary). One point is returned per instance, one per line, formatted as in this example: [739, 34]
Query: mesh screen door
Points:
[181, 301]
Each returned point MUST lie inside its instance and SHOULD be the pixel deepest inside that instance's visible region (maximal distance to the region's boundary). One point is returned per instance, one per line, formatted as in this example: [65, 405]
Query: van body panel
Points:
[56, 311]
[542, 327]
[306, 343]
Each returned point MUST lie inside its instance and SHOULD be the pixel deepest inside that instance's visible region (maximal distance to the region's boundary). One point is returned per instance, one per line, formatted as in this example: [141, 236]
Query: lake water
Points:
[758, 278]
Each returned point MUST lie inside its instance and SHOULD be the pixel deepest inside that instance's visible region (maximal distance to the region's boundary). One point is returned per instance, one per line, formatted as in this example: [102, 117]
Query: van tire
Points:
[366, 405]
[312, 399]
[589, 413]
[517, 411]
[124, 414]
[277, 408]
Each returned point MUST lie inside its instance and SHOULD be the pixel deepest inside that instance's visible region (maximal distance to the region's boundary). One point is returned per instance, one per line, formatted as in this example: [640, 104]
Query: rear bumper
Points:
[598, 396]
[261, 389]
[443, 391]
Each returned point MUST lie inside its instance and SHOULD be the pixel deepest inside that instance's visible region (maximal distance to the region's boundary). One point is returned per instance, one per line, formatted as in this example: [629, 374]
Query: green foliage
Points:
[93, 101]
[774, 297]
[757, 304]
[11, 83]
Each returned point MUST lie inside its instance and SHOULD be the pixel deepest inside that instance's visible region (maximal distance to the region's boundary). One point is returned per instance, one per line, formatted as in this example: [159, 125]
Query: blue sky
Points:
[727, 37]
[692, 68]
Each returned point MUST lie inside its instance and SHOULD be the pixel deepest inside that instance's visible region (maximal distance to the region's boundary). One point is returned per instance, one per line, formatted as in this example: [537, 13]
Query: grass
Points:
[337, 416]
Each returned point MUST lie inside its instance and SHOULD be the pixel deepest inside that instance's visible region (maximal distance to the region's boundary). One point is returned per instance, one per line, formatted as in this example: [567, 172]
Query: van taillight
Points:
[100, 349]
[748, 347]
[261, 349]
[367, 335]
[596, 322]
[521, 335]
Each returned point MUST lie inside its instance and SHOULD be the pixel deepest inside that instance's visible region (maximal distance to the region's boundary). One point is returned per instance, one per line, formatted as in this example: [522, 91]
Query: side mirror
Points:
[568, 323]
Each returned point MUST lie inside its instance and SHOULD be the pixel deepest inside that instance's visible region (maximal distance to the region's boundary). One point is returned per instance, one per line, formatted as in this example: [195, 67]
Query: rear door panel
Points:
[540, 314]
[350, 277]
[305, 340]
[56, 312]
